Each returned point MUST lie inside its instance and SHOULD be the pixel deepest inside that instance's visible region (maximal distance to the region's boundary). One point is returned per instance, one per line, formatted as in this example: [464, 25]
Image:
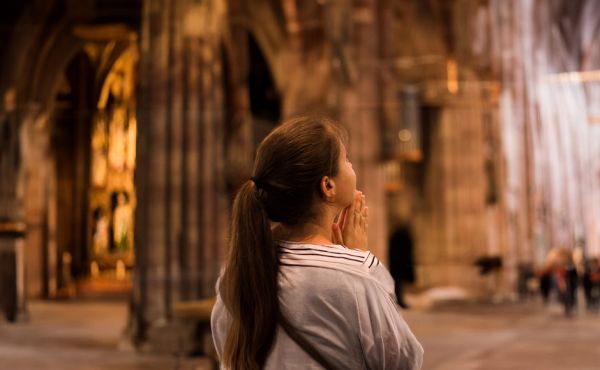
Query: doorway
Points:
[93, 145]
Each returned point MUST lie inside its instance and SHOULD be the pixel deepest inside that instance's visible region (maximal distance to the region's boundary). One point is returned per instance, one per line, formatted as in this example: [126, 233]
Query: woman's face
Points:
[345, 180]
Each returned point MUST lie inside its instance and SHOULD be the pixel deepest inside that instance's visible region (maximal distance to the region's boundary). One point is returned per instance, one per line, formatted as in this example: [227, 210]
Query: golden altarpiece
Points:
[112, 194]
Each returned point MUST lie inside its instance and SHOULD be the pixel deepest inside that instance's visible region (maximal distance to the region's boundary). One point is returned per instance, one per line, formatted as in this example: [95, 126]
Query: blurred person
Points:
[524, 281]
[564, 274]
[546, 273]
[401, 260]
[306, 293]
[579, 258]
[545, 277]
[591, 284]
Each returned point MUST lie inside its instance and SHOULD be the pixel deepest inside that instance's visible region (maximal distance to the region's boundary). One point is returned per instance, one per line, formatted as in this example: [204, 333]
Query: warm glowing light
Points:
[404, 135]
[594, 119]
[94, 269]
[120, 271]
[576, 76]
[452, 72]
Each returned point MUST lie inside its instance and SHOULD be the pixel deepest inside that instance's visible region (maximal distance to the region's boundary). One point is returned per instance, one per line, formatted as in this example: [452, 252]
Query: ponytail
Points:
[249, 283]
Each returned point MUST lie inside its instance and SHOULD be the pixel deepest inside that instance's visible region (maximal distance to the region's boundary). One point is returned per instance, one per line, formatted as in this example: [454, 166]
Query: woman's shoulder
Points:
[331, 266]
[291, 254]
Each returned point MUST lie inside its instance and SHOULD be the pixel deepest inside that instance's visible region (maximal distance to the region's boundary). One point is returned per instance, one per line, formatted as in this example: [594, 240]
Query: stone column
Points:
[181, 217]
[360, 107]
[39, 207]
[12, 226]
[453, 225]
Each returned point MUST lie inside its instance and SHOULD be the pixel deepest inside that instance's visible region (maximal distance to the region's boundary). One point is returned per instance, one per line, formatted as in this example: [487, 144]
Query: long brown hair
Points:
[289, 166]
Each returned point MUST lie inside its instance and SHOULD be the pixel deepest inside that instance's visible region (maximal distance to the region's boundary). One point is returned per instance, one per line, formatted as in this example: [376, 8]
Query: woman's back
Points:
[340, 301]
[337, 300]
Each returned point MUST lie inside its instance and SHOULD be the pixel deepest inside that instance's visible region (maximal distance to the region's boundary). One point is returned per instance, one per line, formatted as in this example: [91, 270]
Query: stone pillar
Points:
[40, 206]
[452, 224]
[12, 226]
[12, 269]
[360, 107]
[181, 217]
[239, 132]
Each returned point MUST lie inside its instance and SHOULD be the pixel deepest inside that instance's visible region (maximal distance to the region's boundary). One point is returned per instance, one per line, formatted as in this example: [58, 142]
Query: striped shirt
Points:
[342, 301]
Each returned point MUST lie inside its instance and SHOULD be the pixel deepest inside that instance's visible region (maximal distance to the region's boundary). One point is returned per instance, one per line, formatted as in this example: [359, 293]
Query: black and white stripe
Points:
[297, 254]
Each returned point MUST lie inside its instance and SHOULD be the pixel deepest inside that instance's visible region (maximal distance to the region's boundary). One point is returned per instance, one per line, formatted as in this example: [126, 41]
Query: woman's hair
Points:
[290, 163]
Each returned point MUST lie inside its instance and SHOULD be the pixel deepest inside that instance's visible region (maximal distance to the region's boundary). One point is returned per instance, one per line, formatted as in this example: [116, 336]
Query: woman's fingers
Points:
[358, 206]
[364, 211]
[354, 230]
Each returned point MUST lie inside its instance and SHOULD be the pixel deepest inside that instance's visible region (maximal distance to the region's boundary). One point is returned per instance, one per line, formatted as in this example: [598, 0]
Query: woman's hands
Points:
[352, 225]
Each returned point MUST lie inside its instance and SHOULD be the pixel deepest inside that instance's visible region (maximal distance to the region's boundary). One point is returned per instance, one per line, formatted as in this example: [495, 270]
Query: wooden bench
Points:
[198, 312]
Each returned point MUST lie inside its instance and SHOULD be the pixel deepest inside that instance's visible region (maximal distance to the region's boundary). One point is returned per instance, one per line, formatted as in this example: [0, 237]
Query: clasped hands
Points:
[352, 224]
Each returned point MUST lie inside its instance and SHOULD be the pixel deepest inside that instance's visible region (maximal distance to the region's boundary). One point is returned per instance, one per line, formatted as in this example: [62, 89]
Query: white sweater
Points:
[340, 300]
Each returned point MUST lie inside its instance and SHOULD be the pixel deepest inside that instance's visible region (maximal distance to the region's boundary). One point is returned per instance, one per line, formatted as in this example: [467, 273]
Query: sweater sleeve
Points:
[387, 341]
[378, 271]
[219, 322]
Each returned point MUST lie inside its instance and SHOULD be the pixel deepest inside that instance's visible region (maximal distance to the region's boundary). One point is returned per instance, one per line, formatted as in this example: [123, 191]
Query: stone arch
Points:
[266, 22]
[57, 52]
[26, 37]
[70, 110]
[265, 101]
[41, 48]
[258, 28]
[43, 41]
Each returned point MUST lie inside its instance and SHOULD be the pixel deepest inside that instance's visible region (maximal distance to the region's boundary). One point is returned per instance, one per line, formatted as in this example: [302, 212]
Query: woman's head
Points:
[296, 166]
[299, 167]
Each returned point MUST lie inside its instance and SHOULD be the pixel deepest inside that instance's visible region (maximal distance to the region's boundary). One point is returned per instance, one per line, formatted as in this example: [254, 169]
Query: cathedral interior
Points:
[126, 127]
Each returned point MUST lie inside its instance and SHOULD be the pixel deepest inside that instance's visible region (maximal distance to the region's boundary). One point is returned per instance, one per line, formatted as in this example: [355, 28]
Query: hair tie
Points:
[256, 182]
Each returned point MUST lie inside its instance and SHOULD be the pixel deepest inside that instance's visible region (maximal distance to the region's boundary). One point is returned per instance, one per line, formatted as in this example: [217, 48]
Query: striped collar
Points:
[333, 255]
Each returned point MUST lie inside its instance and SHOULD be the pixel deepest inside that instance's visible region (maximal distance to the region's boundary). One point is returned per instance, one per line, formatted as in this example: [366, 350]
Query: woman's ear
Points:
[328, 187]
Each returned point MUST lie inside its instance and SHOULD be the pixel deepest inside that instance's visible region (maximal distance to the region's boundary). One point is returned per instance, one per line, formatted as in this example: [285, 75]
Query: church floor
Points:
[84, 335]
[502, 337]
[75, 335]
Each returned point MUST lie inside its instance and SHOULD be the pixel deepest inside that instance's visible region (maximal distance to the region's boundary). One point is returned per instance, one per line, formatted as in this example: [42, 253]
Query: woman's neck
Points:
[317, 231]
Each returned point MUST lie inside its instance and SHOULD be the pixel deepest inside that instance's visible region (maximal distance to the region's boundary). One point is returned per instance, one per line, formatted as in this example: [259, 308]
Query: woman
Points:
[307, 294]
